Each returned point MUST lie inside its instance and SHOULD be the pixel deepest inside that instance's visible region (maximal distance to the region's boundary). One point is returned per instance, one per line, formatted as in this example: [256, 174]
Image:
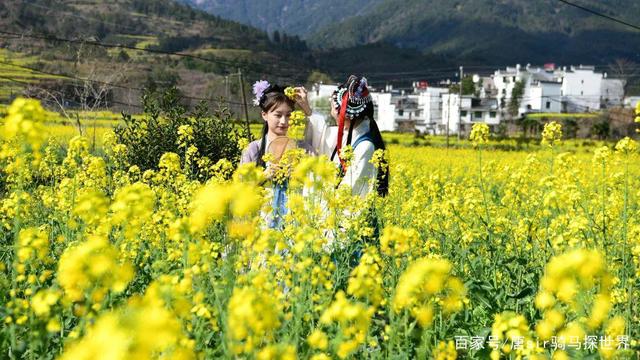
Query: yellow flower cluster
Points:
[637, 118]
[510, 334]
[446, 351]
[31, 269]
[565, 277]
[353, 320]
[313, 172]
[42, 301]
[253, 317]
[132, 206]
[627, 146]
[398, 242]
[215, 201]
[297, 118]
[290, 92]
[346, 154]
[24, 121]
[425, 285]
[567, 309]
[551, 134]
[185, 136]
[366, 281]
[33, 244]
[601, 154]
[479, 134]
[91, 269]
[143, 329]
[379, 160]
[277, 352]
[285, 166]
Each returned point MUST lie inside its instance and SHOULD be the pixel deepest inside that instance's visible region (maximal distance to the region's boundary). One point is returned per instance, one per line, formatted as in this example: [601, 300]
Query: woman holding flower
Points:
[277, 105]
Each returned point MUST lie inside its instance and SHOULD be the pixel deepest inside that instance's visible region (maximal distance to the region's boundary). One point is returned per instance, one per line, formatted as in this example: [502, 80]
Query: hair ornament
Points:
[259, 88]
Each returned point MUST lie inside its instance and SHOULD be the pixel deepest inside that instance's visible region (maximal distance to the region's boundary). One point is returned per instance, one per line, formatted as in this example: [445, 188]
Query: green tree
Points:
[317, 76]
[468, 87]
[516, 97]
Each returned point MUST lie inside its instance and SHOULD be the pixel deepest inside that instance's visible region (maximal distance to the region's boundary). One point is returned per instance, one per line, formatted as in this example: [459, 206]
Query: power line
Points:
[111, 84]
[225, 63]
[115, 85]
[52, 38]
[435, 73]
[111, 46]
[594, 12]
[246, 69]
[41, 88]
[101, 44]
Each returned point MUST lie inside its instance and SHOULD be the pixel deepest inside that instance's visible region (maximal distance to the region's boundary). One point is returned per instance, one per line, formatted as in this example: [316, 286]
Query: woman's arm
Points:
[250, 154]
[302, 100]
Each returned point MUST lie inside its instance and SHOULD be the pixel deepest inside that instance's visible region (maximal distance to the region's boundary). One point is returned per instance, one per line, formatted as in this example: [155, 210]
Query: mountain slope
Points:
[300, 17]
[476, 31]
[161, 25]
[493, 31]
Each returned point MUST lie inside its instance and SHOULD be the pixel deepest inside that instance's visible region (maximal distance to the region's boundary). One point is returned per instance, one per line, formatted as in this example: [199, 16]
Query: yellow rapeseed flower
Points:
[552, 133]
[290, 92]
[425, 280]
[92, 268]
[479, 134]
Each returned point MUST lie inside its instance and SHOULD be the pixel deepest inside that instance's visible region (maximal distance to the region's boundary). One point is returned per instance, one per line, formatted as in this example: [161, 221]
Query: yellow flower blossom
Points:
[91, 268]
[551, 134]
[479, 134]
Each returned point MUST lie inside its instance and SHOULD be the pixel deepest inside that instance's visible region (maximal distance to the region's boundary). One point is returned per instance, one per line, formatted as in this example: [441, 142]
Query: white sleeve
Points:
[313, 132]
[360, 174]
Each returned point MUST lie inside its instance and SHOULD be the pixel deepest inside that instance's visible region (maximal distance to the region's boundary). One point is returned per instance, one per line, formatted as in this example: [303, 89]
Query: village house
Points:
[569, 90]
[460, 113]
[433, 110]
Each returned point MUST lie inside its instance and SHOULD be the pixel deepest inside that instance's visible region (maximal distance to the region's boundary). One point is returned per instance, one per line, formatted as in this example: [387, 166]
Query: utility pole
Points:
[244, 101]
[226, 87]
[460, 105]
[448, 116]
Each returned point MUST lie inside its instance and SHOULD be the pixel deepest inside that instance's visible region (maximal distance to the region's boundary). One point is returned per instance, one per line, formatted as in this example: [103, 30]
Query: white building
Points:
[396, 110]
[574, 89]
[541, 94]
[320, 90]
[581, 89]
[385, 111]
[429, 103]
[612, 92]
[472, 110]
[542, 89]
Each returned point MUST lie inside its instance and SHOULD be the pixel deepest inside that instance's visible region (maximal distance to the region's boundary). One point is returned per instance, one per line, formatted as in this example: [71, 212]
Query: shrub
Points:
[214, 134]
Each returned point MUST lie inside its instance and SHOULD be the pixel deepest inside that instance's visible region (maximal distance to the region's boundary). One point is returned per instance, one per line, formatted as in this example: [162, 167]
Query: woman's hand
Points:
[271, 170]
[302, 100]
[334, 111]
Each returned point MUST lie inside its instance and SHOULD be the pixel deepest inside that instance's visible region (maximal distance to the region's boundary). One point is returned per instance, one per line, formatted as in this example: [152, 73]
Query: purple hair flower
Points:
[258, 90]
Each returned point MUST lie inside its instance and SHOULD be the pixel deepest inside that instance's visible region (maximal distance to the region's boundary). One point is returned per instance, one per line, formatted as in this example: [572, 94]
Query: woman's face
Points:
[278, 119]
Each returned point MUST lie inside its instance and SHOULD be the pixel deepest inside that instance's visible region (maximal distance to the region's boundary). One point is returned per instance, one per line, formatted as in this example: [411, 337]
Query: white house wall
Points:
[385, 111]
[581, 90]
[612, 91]
[552, 93]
